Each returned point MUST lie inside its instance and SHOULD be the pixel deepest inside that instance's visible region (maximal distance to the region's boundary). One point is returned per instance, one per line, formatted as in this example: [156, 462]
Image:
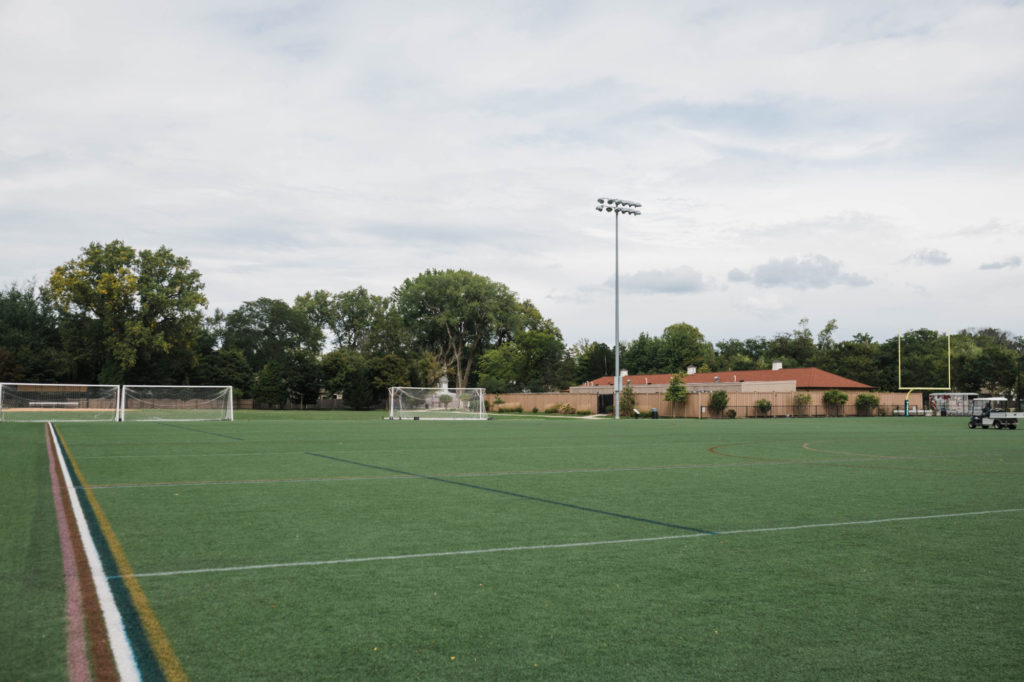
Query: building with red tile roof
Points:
[806, 378]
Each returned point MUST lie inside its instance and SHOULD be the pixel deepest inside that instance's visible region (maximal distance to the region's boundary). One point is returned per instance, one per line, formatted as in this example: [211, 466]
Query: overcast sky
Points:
[862, 161]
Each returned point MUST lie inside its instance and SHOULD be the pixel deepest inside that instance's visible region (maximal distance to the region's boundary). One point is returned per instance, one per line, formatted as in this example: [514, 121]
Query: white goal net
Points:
[58, 402]
[176, 403]
[411, 402]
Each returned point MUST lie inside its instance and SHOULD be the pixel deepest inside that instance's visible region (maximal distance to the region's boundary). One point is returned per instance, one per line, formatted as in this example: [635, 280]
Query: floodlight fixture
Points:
[629, 208]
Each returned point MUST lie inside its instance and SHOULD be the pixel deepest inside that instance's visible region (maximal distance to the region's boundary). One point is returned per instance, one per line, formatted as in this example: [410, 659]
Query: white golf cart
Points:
[986, 412]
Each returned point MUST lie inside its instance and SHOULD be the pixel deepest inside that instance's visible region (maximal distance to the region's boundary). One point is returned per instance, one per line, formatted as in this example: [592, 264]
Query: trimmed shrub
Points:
[834, 401]
[764, 406]
[718, 402]
[867, 404]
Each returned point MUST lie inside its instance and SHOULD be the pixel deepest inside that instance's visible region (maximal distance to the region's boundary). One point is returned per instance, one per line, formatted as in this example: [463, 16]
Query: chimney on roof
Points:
[777, 365]
[624, 373]
[692, 369]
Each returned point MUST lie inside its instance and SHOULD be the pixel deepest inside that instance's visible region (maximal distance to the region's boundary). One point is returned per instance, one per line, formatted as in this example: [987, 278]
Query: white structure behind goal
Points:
[177, 403]
[412, 402]
[58, 402]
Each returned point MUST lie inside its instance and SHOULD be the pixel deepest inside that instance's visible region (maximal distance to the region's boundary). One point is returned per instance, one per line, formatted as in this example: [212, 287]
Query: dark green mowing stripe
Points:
[197, 430]
[568, 505]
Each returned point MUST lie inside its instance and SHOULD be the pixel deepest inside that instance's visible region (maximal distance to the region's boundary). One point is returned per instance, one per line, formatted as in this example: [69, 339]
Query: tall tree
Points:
[457, 315]
[683, 345]
[121, 306]
[643, 355]
[593, 360]
[368, 323]
[29, 337]
[676, 392]
[267, 329]
[535, 361]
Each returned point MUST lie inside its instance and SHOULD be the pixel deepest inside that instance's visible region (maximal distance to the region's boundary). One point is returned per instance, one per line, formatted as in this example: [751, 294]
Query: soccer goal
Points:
[177, 403]
[58, 402]
[410, 402]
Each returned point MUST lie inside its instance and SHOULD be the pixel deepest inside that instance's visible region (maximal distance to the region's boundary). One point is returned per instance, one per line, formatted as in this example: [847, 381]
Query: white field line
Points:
[541, 472]
[568, 545]
[127, 668]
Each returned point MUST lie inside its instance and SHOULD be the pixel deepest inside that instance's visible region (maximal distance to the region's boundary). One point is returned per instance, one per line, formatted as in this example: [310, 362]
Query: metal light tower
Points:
[629, 207]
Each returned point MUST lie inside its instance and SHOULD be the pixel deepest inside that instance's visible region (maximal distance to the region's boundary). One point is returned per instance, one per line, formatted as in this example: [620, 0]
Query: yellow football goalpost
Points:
[911, 389]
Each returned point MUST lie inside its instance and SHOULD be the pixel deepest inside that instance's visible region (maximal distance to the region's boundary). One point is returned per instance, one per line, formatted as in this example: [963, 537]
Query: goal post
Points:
[176, 403]
[910, 389]
[21, 402]
[419, 402]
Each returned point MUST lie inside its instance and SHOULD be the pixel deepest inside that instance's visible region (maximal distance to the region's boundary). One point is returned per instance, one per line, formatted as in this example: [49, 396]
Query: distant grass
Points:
[937, 598]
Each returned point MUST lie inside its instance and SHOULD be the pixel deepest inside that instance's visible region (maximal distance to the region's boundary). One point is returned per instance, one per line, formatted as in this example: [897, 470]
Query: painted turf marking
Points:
[152, 652]
[521, 496]
[124, 658]
[78, 657]
[567, 545]
[532, 472]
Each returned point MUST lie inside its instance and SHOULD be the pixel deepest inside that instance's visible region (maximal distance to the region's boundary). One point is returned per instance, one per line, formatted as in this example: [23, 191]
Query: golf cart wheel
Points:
[971, 425]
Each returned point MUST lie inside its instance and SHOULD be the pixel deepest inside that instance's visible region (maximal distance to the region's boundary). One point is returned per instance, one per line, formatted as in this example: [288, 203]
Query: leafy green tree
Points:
[642, 355]
[368, 323]
[593, 360]
[387, 371]
[796, 349]
[457, 315]
[121, 306]
[10, 370]
[320, 309]
[499, 369]
[349, 374]
[985, 361]
[225, 368]
[683, 345]
[676, 392]
[734, 355]
[923, 358]
[267, 329]
[302, 375]
[856, 359]
[535, 361]
[718, 402]
[627, 400]
[764, 406]
[271, 388]
[30, 337]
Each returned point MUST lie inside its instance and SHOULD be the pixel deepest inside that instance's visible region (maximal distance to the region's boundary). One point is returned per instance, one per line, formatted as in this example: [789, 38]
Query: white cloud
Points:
[808, 272]
[1011, 262]
[928, 257]
[287, 146]
[680, 280]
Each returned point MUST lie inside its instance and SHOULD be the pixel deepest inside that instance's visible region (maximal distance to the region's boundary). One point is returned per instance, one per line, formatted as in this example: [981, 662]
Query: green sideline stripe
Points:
[127, 595]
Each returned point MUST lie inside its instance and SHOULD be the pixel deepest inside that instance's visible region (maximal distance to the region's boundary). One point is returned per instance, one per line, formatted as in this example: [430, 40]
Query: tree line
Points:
[116, 315]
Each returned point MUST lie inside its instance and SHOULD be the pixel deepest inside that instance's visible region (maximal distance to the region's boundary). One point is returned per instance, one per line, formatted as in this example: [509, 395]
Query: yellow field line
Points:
[169, 663]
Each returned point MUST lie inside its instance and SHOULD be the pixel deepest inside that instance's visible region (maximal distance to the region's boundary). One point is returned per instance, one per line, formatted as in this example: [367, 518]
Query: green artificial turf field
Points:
[341, 546]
